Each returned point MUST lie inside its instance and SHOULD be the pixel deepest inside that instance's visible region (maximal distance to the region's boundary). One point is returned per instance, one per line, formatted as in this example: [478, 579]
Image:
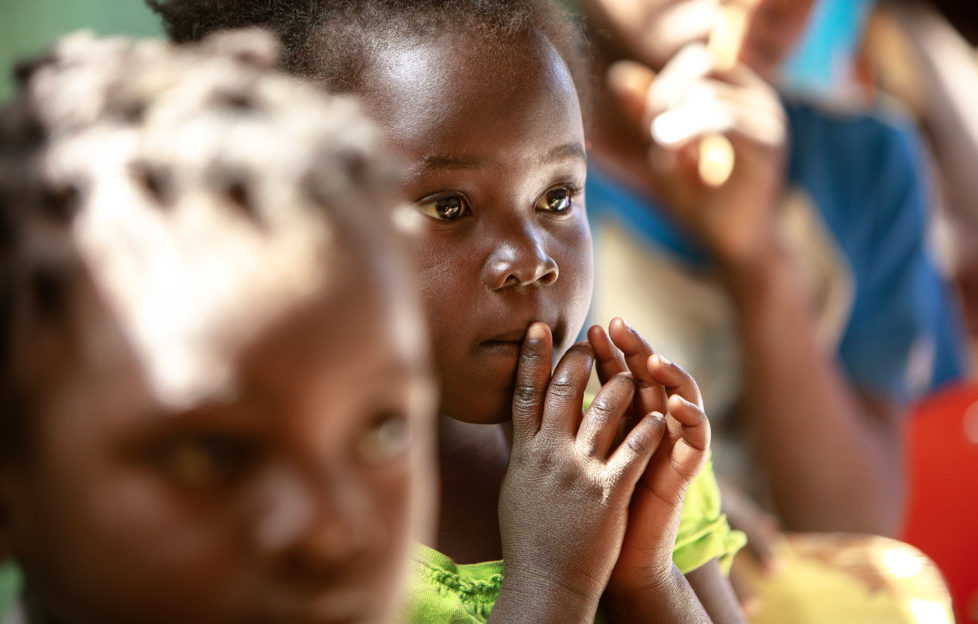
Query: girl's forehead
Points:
[454, 87]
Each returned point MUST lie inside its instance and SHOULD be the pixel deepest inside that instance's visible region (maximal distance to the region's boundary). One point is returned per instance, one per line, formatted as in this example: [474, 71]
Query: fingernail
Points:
[663, 360]
[682, 400]
[536, 332]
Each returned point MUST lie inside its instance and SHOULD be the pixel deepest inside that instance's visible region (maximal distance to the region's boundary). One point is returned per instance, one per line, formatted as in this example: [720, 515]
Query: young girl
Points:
[480, 98]
[215, 405]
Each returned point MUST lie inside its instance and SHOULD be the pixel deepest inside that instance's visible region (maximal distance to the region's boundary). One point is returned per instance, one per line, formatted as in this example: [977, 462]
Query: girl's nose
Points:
[519, 261]
[316, 525]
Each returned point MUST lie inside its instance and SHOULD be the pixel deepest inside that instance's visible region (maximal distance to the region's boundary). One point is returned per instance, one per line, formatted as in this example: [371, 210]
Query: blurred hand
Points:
[688, 101]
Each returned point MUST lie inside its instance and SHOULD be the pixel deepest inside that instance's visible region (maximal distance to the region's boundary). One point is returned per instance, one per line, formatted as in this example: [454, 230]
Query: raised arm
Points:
[800, 408]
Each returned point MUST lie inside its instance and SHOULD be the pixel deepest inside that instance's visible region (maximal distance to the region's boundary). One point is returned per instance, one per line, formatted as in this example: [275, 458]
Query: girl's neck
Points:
[472, 462]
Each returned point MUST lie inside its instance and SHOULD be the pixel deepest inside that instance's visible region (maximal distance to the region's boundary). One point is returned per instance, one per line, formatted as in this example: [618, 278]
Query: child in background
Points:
[804, 297]
[216, 404]
[483, 99]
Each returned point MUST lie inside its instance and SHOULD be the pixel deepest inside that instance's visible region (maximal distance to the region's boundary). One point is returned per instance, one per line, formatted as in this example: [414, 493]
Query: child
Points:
[806, 296]
[480, 98]
[215, 400]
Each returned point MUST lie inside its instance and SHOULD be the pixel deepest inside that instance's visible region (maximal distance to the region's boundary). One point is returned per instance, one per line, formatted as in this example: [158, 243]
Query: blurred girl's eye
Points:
[557, 200]
[388, 437]
[445, 207]
[206, 460]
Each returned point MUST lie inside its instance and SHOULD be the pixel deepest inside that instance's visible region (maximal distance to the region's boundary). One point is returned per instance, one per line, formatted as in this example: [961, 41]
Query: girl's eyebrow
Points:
[568, 151]
[446, 161]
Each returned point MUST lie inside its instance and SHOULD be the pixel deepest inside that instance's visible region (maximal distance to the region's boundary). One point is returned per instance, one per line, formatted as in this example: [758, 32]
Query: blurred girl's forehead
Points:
[209, 191]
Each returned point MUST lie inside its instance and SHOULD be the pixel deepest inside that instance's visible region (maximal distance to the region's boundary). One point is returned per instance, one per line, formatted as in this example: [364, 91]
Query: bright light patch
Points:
[902, 564]
[929, 612]
[717, 160]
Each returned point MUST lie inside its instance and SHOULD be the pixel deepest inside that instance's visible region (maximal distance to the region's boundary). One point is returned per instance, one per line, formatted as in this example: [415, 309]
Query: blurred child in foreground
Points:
[216, 404]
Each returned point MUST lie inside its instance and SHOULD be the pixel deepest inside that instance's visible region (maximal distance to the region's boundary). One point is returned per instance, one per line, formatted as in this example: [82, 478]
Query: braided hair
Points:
[167, 176]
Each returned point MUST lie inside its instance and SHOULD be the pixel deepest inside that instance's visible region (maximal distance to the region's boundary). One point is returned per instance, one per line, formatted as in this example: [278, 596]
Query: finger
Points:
[672, 86]
[674, 378]
[565, 394]
[632, 456]
[532, 377]
[695, 425]
[725, 107]
[741, 75]
[682, 453]
[608, 359]
[693, 119]
[650, 395]
[600, 424]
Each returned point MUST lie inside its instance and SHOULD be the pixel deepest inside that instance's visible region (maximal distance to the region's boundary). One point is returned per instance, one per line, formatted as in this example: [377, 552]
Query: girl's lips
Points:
[502, 347]
[513, 338]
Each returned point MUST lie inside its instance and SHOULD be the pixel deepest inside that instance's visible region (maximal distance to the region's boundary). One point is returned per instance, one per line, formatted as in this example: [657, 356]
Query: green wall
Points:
[29, 26]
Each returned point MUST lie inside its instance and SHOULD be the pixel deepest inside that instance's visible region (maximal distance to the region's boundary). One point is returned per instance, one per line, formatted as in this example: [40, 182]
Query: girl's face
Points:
[291, 498]
[653, 31]
[496, 148]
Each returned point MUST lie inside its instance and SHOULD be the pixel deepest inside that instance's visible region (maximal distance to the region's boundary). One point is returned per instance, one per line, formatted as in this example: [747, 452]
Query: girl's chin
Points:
[483, 411]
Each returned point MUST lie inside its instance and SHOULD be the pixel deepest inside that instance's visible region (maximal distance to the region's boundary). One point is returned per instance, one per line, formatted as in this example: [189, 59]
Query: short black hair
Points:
[332, 41]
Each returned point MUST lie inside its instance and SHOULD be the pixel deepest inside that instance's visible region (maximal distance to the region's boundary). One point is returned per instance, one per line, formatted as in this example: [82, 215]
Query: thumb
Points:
[532, 379]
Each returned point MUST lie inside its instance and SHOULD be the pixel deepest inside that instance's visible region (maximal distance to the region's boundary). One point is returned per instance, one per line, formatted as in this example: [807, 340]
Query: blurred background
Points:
[27, 26]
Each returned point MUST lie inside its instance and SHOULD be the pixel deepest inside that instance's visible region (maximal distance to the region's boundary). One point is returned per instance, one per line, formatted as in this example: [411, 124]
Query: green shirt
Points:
[443, 592]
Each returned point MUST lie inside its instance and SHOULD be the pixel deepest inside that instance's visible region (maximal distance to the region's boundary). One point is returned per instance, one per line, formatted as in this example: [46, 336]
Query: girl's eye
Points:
[206, 461]
[445, 207]
[557, 200]
[388, 437]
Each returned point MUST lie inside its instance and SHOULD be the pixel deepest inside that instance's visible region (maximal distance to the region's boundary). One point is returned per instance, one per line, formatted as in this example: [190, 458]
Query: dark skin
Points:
[241, 508]
[862, 491]
[498, 164]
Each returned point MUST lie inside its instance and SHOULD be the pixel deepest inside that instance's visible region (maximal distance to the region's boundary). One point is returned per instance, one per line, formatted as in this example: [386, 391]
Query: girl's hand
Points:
[690, 100]
[564, 501]
[645, 562]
